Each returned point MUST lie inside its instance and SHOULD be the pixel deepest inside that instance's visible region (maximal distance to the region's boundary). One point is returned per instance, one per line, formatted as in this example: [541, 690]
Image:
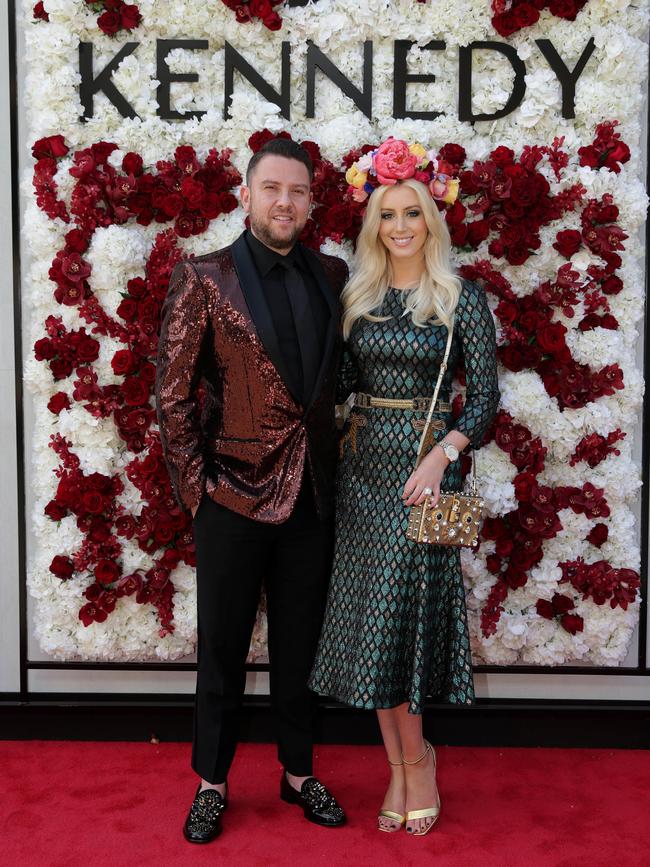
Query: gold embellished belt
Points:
[418, 404]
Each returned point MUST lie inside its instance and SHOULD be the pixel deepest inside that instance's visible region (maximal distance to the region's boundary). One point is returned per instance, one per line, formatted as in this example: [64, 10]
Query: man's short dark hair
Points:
[280, 147]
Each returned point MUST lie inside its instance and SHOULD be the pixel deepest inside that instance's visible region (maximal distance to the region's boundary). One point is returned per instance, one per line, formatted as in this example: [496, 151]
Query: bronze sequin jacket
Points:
[248, 447]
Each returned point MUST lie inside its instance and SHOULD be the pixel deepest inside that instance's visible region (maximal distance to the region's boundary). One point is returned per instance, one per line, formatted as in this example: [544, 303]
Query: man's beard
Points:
[266, 235]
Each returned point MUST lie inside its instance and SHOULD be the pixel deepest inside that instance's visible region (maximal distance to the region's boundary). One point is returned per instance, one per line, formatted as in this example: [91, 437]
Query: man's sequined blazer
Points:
[248, 444]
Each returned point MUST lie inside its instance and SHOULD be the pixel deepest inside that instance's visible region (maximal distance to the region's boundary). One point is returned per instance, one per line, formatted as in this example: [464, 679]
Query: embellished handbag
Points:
[456, 518]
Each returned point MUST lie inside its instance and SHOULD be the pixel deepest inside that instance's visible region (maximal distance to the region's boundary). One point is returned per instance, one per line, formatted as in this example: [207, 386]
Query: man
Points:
[258, 323]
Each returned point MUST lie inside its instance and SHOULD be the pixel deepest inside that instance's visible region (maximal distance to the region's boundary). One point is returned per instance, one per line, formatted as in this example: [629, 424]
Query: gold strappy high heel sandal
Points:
[428, 812]
[389, 814]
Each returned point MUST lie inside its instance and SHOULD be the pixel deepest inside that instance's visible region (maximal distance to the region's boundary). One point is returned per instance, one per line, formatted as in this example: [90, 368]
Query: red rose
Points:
[132, 164]
[60, 367]
[101, 150]
[545, 608]
[568, 242]
[92, 502]
[55, 511]
[135, 391]
[76, 241]
[243, 14]
[88, 349]
[93, 592]
[259, 139]
[163, 533]
[127, 310]
[503, 546]
[517, 255]
[39, 12]
[525, 558]
[598, 534]
[561, 604]
[171, 204]
[612, 285]
[44, 349]
[550, 337]
[567, 9]
[148, 372]
[53, 146]
[125, 526]
[514, 577]
[137, 288]
[502, 156]
[525, 15]
[260, 8]
[477, 231]
[124, 362]
[129, 16]
[193, 192]
[493, 564]
[572, 623]
[505, 23]
[62, 567]
[453, 153]
[494, 528]
[99, 531]
[106, 571]
[524, 484]
[272, 21]
[109, 22]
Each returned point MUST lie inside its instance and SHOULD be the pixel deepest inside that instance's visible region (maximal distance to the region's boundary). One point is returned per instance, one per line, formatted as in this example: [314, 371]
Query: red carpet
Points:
[69, 804]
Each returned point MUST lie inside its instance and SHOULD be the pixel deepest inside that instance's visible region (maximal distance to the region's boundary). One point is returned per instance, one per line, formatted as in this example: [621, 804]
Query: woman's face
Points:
[402, 227]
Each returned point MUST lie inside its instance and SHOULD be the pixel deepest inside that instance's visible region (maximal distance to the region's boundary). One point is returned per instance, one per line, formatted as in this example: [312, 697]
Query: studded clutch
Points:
[456, 518]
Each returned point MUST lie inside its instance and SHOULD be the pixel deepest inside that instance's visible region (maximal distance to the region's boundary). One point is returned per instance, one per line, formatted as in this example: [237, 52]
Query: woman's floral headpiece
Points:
[395, 160]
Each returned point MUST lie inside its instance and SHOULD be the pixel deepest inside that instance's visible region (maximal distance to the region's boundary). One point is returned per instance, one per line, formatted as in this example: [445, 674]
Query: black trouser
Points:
[234, 556]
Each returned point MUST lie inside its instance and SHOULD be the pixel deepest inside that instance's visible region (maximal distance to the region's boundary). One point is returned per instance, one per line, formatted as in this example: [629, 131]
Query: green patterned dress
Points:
[395, 627]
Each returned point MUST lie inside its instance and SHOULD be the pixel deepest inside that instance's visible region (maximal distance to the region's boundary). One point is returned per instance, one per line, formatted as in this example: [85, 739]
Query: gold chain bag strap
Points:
[456, 517]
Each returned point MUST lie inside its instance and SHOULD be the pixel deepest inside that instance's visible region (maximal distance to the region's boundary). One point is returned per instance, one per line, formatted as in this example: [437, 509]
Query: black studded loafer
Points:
[203, 822]
[318, 805]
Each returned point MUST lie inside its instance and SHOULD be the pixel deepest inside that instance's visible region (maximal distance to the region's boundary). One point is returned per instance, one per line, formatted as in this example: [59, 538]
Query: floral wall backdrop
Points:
[549, 217]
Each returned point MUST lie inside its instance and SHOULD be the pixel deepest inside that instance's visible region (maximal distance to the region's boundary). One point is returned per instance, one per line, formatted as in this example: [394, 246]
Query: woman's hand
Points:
[427, 475]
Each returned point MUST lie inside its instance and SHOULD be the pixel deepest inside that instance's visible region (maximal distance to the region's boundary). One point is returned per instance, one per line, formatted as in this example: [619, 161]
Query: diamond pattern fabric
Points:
[395, 626]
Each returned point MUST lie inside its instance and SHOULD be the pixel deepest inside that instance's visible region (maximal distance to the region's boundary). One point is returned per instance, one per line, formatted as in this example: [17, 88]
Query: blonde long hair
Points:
[439, 289]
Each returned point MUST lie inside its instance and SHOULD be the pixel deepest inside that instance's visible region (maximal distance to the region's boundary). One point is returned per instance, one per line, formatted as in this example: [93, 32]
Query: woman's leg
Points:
[421, 789]
[395, 797]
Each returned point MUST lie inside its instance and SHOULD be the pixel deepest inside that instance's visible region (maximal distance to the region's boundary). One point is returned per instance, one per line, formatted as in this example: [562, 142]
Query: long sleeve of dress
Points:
[475, 327]
[183, 329]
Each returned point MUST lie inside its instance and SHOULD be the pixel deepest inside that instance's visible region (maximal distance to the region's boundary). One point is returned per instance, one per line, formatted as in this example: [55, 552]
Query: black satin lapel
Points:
[332, 328]
[251, 287]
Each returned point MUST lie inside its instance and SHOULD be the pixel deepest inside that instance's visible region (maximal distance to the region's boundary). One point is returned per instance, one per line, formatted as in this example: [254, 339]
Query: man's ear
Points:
[245, 197]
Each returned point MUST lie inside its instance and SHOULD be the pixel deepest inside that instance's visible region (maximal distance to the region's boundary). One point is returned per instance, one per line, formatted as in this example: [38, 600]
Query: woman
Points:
[395, 629]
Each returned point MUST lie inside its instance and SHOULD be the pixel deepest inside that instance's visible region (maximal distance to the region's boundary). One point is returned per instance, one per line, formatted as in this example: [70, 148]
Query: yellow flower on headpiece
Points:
[356, 178]
[421, 153]
[452, 191]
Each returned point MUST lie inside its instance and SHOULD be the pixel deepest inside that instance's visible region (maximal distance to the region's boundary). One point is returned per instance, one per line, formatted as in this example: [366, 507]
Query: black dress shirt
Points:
[271, 266]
